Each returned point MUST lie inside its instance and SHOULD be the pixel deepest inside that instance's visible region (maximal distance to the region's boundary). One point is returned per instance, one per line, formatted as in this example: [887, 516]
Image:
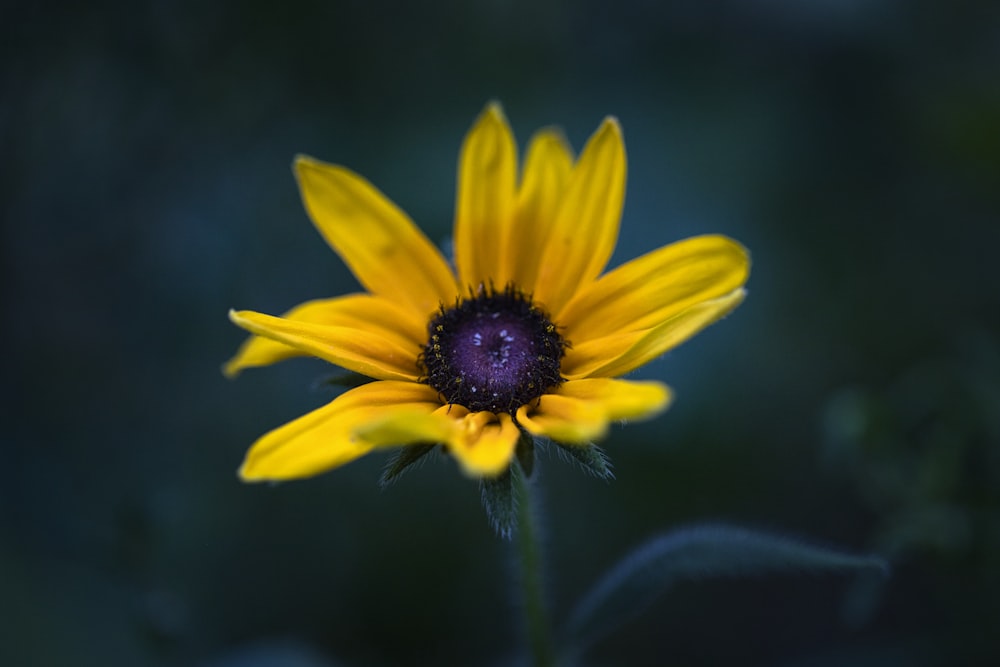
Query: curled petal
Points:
[376, 240]
[358, 349]
[580, 411]
[356, 310]
[327, 437]
[486, 447]
[483, 443]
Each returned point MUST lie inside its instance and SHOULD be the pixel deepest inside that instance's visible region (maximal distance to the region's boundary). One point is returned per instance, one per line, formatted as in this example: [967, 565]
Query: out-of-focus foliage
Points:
[923, 452]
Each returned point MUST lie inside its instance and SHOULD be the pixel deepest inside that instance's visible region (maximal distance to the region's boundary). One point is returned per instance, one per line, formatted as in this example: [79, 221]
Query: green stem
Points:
[530, 556]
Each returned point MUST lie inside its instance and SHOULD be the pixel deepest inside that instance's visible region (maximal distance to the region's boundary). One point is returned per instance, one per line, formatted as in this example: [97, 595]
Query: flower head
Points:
[525, 334]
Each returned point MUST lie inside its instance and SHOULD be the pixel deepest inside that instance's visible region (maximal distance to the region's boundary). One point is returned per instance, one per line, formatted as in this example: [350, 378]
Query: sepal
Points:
[400, 462]
[590, 458]
[500, 503]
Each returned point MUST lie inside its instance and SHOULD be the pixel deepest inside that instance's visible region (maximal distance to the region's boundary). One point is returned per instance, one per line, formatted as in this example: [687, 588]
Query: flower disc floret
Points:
[493, 351]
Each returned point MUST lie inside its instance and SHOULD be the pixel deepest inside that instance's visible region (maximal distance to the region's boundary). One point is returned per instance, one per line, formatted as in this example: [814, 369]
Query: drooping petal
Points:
[580, 410]
[547, 168]
[585, 229]
[649, 290]
[362, 311]
[326, 438]
[377, 241]
[616, 355]
[483, 443]
[358, 349]
[485, 449]
[487, 181]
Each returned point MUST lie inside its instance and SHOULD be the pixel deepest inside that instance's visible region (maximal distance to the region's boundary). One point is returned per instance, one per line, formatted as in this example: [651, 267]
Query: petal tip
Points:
[245, 475]
[741, 254]
[231, 369]
[301, 162]
[552, 137]
[494, 110]
[664, 400]
[305, 166]
[611, 124]
[609, 136]
[239, 317]
[492, 119]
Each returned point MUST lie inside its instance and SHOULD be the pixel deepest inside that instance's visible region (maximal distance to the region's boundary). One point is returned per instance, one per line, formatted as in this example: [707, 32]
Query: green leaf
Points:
[696, 552]
[401, 461]
[500, 503]
[590, 458]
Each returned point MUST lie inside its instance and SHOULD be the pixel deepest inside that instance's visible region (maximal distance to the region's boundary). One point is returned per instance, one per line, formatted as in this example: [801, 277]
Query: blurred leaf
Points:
[273, 653]
[862, 599]
[401, 461]
[591, 458]
[694, 553]
[499, 503]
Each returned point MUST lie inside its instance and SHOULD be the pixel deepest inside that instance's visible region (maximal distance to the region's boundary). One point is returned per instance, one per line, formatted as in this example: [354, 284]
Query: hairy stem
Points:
[529, 553]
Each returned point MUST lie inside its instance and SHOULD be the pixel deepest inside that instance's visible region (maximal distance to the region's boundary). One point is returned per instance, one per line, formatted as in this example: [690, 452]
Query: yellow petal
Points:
[586, 228]
[326, 438]
[364, 311]
[487, 178]
[485, 450]
[377, 241]
[406, 428]
[547, 168]
[651, 289]
[616, 355]
[360, 349]
[580, 410]
[620, 399]
[563, 419]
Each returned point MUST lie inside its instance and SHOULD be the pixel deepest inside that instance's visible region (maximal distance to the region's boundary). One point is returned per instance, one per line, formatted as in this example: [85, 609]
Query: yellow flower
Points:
[525, 333]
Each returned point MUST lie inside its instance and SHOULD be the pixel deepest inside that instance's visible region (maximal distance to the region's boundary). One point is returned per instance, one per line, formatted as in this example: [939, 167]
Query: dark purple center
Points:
[494, 351]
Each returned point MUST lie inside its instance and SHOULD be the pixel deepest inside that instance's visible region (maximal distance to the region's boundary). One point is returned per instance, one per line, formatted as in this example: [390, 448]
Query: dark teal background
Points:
[854, 398]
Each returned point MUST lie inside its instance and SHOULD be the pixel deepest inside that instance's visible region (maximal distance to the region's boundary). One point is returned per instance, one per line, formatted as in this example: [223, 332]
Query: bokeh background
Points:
[854, 399]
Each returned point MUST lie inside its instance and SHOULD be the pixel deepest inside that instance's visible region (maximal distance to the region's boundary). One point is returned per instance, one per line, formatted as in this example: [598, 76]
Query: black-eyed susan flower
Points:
[525, 334]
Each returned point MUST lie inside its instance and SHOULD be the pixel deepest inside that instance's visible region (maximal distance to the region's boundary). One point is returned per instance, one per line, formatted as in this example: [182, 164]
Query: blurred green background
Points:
[853, 146]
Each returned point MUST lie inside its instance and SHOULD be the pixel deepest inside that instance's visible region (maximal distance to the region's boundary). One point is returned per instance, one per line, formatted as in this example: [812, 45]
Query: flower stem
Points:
[530, 559]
